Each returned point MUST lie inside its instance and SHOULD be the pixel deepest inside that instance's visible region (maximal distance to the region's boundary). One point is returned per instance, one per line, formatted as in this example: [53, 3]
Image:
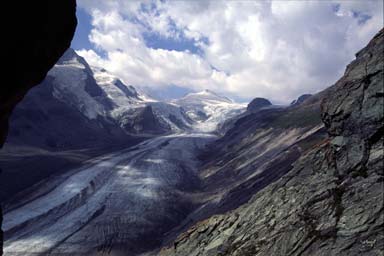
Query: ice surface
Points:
[132, 185]
[217, 109]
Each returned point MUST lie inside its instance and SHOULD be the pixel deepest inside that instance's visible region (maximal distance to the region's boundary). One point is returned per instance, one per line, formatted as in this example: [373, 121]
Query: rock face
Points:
[43, 31]
[258, 103]
[143, 120]
[331, 201]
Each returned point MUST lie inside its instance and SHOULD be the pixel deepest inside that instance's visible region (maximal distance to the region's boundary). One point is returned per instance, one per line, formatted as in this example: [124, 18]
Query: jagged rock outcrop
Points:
[331, 201]
[258, 103]
[39, 34]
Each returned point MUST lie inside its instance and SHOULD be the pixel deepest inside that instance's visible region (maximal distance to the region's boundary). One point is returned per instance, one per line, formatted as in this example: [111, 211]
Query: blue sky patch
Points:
[152, 39]
[81, 38]
[84, 27]
[156, 41]
[177, 41]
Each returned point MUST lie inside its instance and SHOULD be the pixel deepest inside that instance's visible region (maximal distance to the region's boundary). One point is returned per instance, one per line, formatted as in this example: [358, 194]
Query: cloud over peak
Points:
[272, 49]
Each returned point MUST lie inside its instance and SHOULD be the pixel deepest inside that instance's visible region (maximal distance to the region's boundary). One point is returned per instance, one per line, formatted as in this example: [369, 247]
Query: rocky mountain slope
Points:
[256, 105]
[329, 199]
[261, 146]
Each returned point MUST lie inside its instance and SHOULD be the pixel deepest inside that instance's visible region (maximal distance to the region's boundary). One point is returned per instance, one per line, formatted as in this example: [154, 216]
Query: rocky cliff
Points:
[331, 201]
[39, 34]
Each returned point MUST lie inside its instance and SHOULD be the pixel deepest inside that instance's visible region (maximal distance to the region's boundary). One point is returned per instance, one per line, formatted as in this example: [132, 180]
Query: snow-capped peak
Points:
[204, 96]
[208, 109]
[97, 93]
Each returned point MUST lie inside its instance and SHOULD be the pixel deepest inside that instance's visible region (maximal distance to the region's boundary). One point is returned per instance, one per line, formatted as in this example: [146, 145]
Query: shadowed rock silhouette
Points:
[38, 35]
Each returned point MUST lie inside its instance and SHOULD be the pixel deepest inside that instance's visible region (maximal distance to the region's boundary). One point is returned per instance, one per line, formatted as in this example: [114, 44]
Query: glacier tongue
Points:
[128, 200]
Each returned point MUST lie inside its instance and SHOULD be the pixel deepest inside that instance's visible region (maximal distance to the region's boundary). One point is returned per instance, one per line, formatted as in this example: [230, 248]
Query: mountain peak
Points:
[258, 103]
[71, 57]
[300, 99]
[207, 95]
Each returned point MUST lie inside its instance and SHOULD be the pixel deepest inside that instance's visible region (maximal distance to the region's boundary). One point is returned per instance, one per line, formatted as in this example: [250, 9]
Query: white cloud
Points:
[274, 49]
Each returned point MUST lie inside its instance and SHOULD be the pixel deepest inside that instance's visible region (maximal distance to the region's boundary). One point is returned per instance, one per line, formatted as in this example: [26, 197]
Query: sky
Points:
[242, 49]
